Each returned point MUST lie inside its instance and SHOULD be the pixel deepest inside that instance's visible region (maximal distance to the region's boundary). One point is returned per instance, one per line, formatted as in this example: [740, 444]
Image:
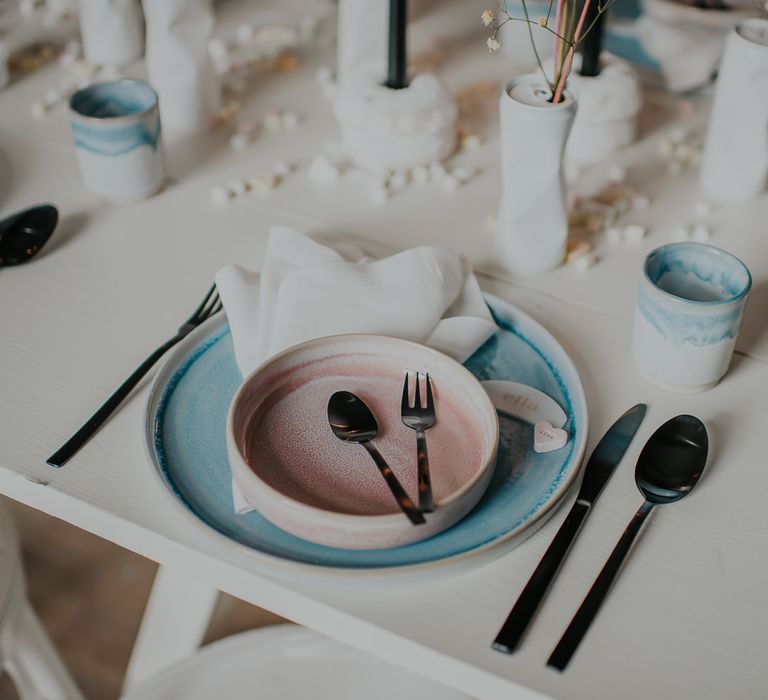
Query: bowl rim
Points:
[379, 519]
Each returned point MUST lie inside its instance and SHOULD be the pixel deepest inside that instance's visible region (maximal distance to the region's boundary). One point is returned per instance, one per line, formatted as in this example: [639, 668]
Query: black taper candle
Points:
[593, 41]
[398, 20]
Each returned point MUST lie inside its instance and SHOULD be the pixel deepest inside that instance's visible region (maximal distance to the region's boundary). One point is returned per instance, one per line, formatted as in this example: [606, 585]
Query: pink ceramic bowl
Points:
[292, 468]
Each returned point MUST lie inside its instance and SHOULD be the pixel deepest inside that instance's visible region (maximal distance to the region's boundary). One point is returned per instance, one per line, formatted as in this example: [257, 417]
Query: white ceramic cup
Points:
[116, 126]
[689, 309]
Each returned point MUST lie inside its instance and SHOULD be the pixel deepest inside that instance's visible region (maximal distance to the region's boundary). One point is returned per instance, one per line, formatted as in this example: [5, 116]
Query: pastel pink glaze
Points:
[298, 474]
[290, 444]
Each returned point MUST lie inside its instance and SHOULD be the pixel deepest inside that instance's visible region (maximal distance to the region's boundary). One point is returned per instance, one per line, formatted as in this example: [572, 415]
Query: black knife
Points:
[600, 466]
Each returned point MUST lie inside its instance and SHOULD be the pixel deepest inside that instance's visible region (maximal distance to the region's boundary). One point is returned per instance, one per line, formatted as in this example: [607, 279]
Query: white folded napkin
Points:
[307, 290]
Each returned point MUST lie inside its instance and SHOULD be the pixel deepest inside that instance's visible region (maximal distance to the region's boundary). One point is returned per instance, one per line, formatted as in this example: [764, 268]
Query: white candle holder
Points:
[606, 120]
[735, 164]
[385, 129]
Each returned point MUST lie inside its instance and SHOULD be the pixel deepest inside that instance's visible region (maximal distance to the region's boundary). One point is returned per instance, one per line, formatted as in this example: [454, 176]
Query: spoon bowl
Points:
[24, 233]
[672, 460]
[351, 420]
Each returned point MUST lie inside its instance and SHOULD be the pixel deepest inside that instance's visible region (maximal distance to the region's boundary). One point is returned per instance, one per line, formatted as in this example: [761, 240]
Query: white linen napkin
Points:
[307, 290]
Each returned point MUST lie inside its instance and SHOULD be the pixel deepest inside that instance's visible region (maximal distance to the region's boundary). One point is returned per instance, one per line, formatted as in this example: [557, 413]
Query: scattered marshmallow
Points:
[470, 142]
[449, 183]
[263, 184]
[398, 181]
[324, 75]
[634, 233]
[585, 262]
[289, 120]
[323, 171]
[38, 109]
[273, 121]
[617, 174]
[420, 174]
[701, 233]
[678, 135]
[244, 33]
[641, 201]
[681, 233]
[378, 193]
[615, 235]
[463, 175]
[239, 142]
[237, 187]
[702, 209]
[436, 171]
[282, 169]
[576, 248]
[222, 195]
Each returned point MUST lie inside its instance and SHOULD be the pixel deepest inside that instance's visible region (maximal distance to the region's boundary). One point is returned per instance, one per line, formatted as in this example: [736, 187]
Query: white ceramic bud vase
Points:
[735, 164]
[112, 31]
[179, 66]
[533, 214]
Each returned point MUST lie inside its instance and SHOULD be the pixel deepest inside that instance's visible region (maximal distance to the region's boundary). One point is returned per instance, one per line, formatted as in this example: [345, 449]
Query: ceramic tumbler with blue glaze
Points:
[116, 127]
[689, 309]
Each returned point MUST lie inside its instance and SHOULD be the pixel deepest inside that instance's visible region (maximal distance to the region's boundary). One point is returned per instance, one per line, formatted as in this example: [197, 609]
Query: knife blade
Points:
[601, 465]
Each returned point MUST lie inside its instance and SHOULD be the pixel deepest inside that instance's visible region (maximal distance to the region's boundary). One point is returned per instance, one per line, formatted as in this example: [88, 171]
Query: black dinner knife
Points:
[601, 465]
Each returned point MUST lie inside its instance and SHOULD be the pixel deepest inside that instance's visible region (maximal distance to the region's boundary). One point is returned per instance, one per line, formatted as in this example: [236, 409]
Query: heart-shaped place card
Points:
[547, 438]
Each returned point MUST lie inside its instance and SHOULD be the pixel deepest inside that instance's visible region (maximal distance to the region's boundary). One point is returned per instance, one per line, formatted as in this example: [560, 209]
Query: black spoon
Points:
[352, 421]
[667, 470]
[24, 233]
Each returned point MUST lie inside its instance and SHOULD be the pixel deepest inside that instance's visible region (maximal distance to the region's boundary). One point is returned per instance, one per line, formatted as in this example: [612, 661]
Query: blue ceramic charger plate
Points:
[186, 418]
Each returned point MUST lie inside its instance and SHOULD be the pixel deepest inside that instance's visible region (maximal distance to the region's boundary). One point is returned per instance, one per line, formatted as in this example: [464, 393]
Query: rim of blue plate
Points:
[174, 364]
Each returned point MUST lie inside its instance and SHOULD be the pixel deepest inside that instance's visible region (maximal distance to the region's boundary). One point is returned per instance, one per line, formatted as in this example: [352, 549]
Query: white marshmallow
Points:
[634, 233]
[701, 233]
[221, 195]
[323, 171]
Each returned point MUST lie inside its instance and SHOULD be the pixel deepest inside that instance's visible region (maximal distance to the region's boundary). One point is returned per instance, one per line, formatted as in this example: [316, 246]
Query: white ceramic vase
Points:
[112, 31]
[533, 214]
[735, 164]
[178, 62]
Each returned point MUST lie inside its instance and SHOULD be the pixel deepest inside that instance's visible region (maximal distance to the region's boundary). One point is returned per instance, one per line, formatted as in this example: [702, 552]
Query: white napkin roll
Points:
[307, 290]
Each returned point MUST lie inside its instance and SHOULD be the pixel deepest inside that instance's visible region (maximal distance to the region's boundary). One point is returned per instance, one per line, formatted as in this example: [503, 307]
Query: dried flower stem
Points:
[569, 57]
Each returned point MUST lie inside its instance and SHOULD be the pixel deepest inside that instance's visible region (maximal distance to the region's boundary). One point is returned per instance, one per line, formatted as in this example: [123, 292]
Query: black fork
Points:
[420, 418]
[210, 305]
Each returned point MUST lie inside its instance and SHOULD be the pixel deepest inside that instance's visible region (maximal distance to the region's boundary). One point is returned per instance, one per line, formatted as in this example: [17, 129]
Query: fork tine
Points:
[417, 397]
[430, 403]
[216, 308]
[404, 404]
[199, 309]
[208, 308]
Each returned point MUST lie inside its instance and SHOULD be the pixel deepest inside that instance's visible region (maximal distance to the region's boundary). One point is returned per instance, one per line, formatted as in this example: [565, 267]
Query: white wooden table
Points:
[688, 617]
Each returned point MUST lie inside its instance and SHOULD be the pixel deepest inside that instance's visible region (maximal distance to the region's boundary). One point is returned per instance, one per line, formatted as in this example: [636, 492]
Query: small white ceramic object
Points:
[179, 65]
[524, 402]
[689, 309]
[533, 213]
[116, 127]
[687, 41]
[385, 129]
[112, 31]
[297, 474]
[735, 164]
[547, 438]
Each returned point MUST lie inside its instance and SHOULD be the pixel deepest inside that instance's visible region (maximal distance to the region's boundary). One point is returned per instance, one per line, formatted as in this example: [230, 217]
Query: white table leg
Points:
[175, 620]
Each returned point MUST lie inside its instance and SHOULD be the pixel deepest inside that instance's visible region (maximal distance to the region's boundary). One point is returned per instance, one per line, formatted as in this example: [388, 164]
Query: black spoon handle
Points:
[582, 620]
[522, 613]
[89, 428]
[403, 499]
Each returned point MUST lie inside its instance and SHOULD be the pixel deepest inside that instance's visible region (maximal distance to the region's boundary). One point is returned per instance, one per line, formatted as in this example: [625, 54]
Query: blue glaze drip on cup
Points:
[693, 293]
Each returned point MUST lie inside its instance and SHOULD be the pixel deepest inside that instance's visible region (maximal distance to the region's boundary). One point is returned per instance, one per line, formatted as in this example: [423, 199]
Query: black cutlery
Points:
[668, 468]
[420, 418]
[601, 465]
[24, 233]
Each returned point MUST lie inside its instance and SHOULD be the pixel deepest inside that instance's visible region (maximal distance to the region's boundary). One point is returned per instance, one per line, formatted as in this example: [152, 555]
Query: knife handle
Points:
[511, 632]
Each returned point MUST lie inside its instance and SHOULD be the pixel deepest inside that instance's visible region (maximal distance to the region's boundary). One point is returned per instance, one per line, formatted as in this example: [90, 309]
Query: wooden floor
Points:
[90, 595]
